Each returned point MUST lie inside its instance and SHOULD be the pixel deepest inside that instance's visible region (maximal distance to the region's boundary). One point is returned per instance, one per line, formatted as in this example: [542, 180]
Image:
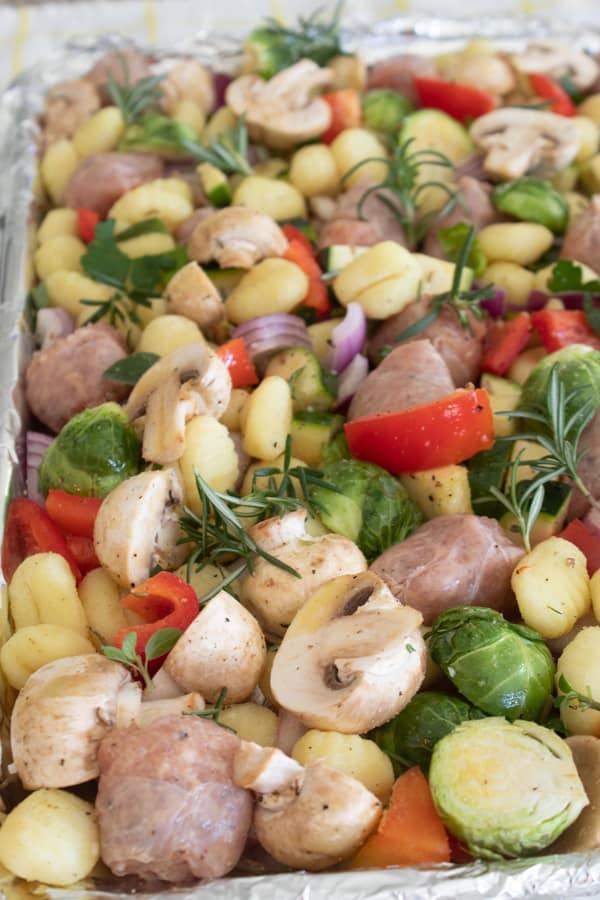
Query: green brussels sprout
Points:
[384, 110]
[578, 367]
[502, 668]
[95, 451]
[505, 789]
[370, 506]
[452, 241]
[273, 47]
[158, 134]
[336, 449]
[409, 738]
[533, 200]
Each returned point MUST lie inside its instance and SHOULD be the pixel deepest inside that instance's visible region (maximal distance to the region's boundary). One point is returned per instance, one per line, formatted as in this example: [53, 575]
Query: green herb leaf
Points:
[229, 152]
[274, 47]
[104, 260]
[161, 642]
[592, 313]
[131, 369]
[568, 276]
[133, 98]
[148, 226]
[453, 240]
[128, 645]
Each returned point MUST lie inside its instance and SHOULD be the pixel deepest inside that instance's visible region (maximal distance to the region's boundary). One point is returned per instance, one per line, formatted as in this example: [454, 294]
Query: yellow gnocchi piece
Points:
[57, 222]
[147, 245]
[165, 199]
[100, 133]
[270, 196]
[272, 286]
[58, 164]
[552, 587]
[383, 280]
[210, 450]
[251, 722]
[62, 252]
[354, 146]
[351, 754]
[169, 332]
[268, 418]
[43, 591]
[32, 647]
[68, 289]
[579, 664]
[101, 597]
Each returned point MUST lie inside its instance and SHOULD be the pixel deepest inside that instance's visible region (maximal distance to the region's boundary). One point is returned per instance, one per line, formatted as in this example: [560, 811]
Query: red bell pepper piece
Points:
[29, 529]
[294, 234]
[317, 297]
[560, 327]
[410, 831]
[503, 343]
[461, 101]
[83, 552]
[241, 368]
[74, 514]
[580, 535]
[87, 219]
[163, 601]
[441, 433]
[548, 89]
[346, 112]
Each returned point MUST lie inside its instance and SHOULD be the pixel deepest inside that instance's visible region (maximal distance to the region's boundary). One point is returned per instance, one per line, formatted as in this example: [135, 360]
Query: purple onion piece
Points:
[572, 299]
[36, 445]
[52, 323]
[347, 338]
[536, 300]
[221, 81]
[280, 321]
[496, 305]
[351, 378]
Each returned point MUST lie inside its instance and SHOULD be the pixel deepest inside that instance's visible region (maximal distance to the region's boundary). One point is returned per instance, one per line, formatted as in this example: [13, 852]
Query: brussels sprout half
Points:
[533, 200]
[501, 668]
[505, 789]
[578, 368]
[92, 454]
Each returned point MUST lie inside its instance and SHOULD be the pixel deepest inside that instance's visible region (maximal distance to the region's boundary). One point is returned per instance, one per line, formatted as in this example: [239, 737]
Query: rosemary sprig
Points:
[276, 47]
[212, 712]
[524, 500]
[229, 152]
[403, 183]
[158, 645]
[133, 99]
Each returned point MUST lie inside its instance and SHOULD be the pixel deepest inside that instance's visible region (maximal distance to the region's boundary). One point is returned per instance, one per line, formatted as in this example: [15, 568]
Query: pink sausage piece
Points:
[101, 179]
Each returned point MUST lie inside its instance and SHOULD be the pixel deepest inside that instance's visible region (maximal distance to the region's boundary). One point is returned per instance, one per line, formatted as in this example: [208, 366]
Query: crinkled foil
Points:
[573, 875]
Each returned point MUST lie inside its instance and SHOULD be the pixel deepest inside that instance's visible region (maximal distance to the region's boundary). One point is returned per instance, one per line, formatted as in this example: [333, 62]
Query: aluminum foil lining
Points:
[559, 876]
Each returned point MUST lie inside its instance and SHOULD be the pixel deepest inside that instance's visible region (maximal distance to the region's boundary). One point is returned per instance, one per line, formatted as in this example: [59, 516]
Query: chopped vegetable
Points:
[72, 512]
[559, 101]
[503, 343]
[87, 219]
[461, 101]
[560, 328]
[384, 110]
[28, 530]
[346, 112]
[272, 47]
[578, 370]
[235, 356]
[579, 534]
[532, 200]
[441, 433]
[303, 256]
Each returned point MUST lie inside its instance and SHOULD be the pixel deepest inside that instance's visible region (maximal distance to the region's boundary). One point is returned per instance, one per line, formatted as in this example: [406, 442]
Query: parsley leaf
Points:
[567, 276]
[130, 369]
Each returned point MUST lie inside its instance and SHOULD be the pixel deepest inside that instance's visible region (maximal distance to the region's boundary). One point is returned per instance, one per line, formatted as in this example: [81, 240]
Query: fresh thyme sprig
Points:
[229, 152]
[218, 532]
[462, 301]
[158, 645]
[403, 188]
[211, 712]
[133, 99]
[274, 47]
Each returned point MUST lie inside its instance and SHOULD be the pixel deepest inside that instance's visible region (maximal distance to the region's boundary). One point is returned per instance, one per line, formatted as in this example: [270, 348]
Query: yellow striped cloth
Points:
[30, 33]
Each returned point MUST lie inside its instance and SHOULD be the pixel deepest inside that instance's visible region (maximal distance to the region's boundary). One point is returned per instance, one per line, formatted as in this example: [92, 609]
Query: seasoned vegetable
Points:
[578, 369]
[370, 507]
[502, 668]
[410, 737]
[384, 110]
[522, 792]
[95, 451]
[533, 200]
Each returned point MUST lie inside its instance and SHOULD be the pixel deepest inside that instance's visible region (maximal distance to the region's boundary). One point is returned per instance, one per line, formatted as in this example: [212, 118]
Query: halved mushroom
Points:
[68, 105]
[65, 709]
[519, 141]
[309, 818]
[188, 80]
[557, 59]
[283, 111]
[191, 293]
[187, 382]
[137, 527]
[352, 658]
[274, 595]
[224, 647]
[236, 237]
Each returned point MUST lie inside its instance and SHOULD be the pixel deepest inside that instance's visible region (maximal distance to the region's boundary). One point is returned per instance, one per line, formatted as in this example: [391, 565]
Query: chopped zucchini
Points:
[551, 518]
[312, 386]
[320, 337]
[504, 395]
[337, 257]
[214, 184]
[225, 280]
[311, 432]
[441, 491]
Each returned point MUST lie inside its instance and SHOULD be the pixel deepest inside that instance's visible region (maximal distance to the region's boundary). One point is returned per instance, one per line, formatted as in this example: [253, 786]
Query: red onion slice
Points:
[221, 81]
[496, 305]
[280, 320]
[572, 299]
[267, 335]
[36, 445]
[52, 323]
[347, 338]
[351, 378]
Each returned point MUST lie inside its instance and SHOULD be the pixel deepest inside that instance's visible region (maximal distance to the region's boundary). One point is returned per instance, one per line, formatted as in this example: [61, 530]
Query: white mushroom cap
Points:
[352, 658]
[282, 112]
[238, 237]
[308, 818]
[137, 527]
[187, 382]
[191, 293]
[557, 59]
[274, 595]
[61, 715]
[519, 141]
[224, 647]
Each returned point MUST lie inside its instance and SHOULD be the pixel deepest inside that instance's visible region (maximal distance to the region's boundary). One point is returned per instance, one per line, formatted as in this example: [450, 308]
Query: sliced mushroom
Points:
[519, 141]
[557, 59]
[137, 527]
[274, 595]
[352, 658]
[224, 647]
[191, 293]
[68, 105]
[283, 111]
[584, 832]
[484, 70]
[236, 237]
[188, 80]
[65, 709]
[190, 381]
[309, 818]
